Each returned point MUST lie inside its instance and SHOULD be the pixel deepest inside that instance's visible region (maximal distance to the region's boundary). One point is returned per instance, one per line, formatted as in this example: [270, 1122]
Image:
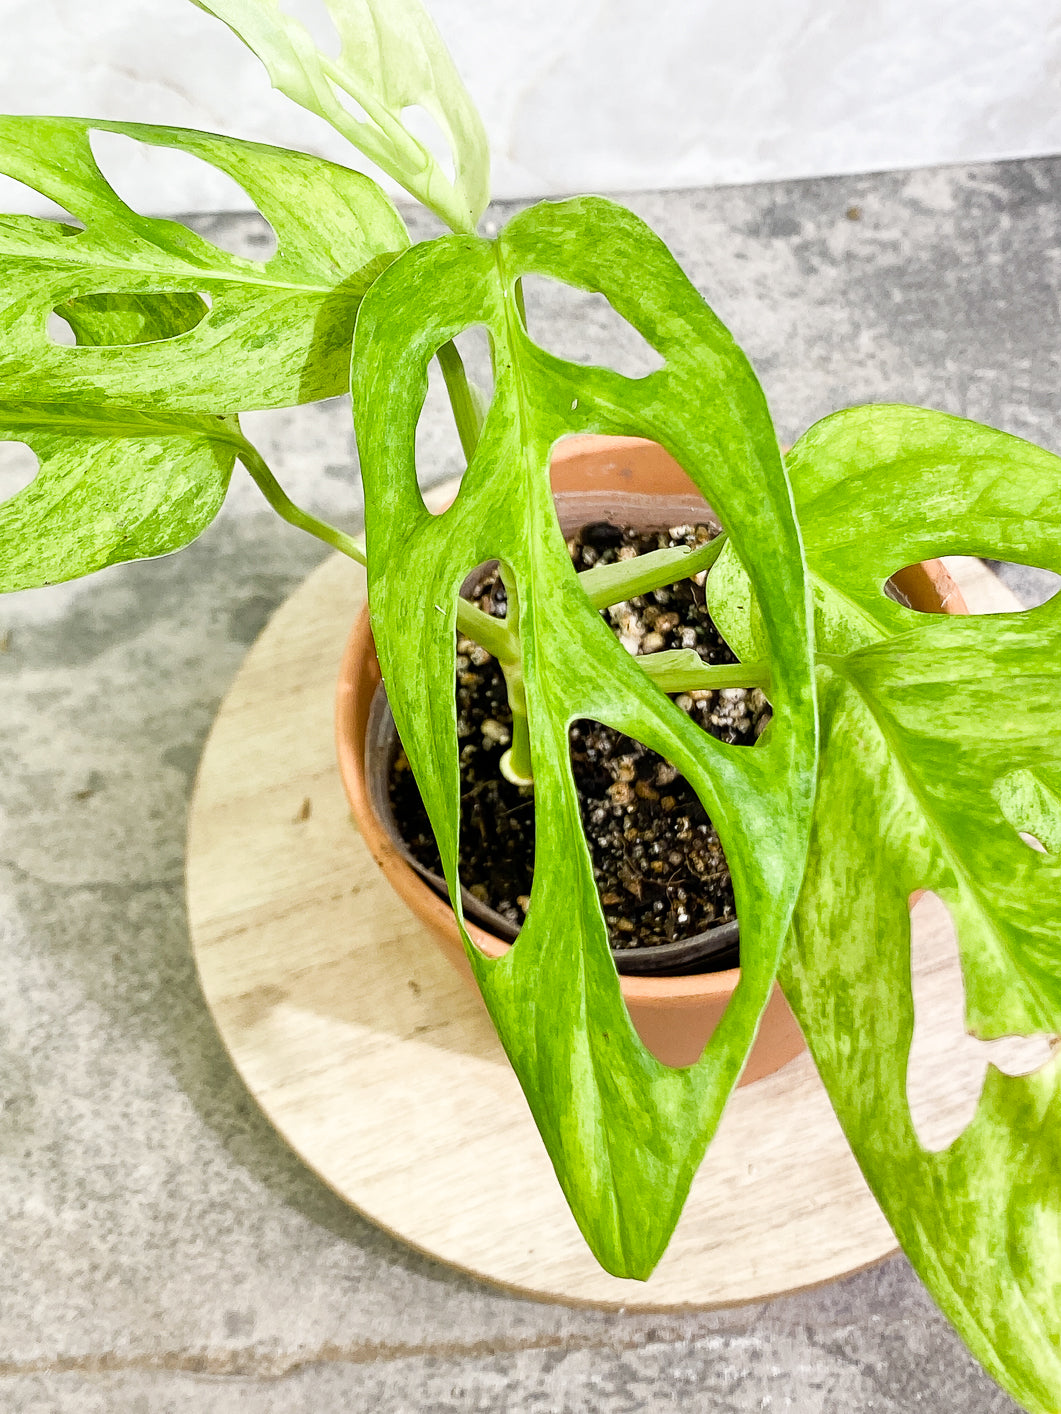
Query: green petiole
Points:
[282, 504]
[466, 410]
[493, 634]
[683, 670]
[625, 579]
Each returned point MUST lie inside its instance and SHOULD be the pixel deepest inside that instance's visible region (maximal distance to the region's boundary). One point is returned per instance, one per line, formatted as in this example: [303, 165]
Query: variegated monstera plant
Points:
[888, 766]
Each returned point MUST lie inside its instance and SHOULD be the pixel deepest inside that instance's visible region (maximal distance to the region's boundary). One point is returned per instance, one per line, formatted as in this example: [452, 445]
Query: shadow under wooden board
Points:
[379, 1066]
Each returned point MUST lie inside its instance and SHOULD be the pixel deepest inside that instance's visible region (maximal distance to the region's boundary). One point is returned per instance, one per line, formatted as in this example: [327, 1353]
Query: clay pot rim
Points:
[928, 586]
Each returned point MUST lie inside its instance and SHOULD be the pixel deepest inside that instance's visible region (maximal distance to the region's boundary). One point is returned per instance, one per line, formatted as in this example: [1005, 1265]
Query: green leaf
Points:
[624, 1132]
[392, 58]
[1032, 804]
[939, 743]
[276, 333]
[132, 319]
[113, 483]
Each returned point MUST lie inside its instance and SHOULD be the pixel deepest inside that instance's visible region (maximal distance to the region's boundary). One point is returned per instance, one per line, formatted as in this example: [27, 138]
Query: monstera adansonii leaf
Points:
[112, 483]
[251, 334]
[937, 751]
[625, 1133]
[391, 59]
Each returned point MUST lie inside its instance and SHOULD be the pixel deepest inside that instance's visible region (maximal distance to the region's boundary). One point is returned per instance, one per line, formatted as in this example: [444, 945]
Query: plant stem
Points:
[491, 633]
[461, 398]
[278, 498]
[683, 670]
[611, 584]
[516, 762]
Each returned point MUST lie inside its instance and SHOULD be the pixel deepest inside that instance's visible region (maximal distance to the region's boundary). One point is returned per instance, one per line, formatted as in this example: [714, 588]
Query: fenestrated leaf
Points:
[934, 731]
[132, 319]
[624, 1132]
[277, 332]
[113, 483]
[391, 58]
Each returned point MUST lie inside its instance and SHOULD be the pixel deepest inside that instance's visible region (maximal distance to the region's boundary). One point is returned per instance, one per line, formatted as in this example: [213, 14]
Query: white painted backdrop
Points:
[588, 94]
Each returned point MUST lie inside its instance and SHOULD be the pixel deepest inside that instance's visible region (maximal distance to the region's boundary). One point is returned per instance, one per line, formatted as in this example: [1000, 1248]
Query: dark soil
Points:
[657, 861]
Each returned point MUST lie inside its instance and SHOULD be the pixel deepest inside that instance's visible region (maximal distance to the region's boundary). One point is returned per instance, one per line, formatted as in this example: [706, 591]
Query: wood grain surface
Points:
[380, 1067]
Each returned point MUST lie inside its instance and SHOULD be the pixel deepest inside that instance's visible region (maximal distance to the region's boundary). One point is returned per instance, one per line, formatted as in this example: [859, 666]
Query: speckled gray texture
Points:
[160, 1248]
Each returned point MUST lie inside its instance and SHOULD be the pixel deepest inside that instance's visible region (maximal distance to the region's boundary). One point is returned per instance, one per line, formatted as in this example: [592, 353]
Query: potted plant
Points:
[656, 869]
[905, 752]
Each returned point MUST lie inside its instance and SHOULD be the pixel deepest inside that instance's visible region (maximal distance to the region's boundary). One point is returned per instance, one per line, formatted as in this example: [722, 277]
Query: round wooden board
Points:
[379, 1066]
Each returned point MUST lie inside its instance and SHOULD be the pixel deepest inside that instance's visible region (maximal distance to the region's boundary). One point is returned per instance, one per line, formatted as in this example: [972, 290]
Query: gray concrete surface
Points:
[160, 1248]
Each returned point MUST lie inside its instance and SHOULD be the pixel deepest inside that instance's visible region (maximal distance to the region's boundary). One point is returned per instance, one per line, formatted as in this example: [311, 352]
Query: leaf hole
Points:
[318, 22]
[660, 869]
[1030, 802]
[122, 320]
[438, 449]
[350, 105]
[59, 331]
[946, 1065]
[1029, 586]
[496, 818]
[673, 619]
[583, 327]
[497, 814]
[150, 178]
[19, 466]
[18, 199]
[424, 126]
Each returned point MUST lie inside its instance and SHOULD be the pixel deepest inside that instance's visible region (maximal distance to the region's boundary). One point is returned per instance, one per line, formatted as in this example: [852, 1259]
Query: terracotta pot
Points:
[675, 1016]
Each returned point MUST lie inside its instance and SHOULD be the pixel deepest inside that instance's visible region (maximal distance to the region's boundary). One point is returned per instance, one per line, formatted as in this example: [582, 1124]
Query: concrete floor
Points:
[160, 1248]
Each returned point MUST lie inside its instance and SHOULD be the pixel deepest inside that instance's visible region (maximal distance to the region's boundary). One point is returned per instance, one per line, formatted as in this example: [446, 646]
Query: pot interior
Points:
[717, 947]
[713, 950]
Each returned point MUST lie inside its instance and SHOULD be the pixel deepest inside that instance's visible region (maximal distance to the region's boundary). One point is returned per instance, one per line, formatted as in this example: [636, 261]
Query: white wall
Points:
[628, 94]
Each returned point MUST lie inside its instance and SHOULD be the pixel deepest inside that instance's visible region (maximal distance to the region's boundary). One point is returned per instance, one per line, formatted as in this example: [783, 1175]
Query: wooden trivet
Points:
[378, 1064]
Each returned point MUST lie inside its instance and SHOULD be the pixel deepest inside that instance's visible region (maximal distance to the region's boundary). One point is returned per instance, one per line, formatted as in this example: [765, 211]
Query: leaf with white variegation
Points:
[276, 333]
[391, 58]
[113, 484]
[625, 1133]
[939, 746]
